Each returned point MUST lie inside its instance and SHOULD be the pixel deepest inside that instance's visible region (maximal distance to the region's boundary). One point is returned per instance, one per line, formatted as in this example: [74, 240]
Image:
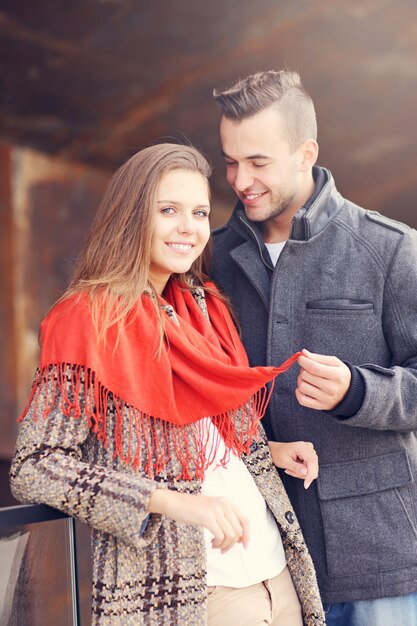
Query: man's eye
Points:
[260, 164]
[231, 163]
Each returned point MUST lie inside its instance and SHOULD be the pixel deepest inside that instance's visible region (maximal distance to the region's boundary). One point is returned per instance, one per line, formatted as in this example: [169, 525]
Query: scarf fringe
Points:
[76, 392]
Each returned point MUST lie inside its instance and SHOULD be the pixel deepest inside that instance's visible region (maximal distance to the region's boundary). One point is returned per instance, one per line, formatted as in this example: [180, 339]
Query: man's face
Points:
[260, 167]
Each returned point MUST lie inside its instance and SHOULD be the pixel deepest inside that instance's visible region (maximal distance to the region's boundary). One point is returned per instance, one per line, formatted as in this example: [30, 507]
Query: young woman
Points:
[143, 421]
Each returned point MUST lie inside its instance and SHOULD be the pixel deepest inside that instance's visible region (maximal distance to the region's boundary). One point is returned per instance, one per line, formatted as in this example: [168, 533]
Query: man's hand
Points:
[323, 381]
[297, 458]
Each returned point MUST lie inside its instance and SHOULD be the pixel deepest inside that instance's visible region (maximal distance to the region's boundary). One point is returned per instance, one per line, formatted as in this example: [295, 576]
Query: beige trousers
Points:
[272, 602]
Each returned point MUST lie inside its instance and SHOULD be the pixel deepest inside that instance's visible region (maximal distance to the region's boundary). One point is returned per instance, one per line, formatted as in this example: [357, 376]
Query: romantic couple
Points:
[165, 400]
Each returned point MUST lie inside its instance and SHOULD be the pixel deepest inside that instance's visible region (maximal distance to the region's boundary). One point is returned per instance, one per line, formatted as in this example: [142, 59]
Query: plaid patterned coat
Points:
[156, 578]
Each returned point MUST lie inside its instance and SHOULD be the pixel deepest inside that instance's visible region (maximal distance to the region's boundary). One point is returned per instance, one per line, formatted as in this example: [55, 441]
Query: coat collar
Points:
[310, 219]
[256, 267]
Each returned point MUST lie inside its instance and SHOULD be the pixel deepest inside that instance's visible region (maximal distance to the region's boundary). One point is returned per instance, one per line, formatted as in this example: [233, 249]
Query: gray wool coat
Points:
[345, 285]
[158, 577]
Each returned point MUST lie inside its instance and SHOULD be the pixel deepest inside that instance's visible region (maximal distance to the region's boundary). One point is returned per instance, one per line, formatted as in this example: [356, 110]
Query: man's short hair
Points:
[264, 89]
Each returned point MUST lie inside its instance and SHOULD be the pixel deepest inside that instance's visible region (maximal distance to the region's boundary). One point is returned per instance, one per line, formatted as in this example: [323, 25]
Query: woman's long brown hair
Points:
[113, 266]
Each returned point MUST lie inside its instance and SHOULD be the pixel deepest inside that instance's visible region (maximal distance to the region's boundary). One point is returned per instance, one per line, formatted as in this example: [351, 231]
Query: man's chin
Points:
[256, 215]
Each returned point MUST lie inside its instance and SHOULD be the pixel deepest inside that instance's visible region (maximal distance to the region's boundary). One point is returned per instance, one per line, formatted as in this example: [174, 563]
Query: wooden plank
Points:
[7, 335]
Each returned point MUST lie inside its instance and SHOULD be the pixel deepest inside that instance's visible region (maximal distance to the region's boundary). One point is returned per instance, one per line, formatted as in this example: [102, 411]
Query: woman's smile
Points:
[181, 225]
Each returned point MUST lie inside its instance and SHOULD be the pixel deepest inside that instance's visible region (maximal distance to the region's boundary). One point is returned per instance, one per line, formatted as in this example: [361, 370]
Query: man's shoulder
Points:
[220, 230]
[225, 237]
[380, 235]
[386, 222]
[371, 224]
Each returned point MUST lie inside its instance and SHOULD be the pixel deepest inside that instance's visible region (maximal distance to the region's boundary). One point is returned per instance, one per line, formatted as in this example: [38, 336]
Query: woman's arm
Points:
[48, 468]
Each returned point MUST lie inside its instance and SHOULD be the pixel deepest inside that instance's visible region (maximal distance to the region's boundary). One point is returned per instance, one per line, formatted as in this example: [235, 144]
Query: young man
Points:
[304, 267]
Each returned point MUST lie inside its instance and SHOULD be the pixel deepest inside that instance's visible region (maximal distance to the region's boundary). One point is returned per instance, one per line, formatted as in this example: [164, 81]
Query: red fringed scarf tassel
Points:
[76, 392]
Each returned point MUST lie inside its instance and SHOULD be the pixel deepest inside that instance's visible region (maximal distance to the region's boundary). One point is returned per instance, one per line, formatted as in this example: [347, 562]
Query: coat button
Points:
[289, 516]
[281, 319]
[253, 446]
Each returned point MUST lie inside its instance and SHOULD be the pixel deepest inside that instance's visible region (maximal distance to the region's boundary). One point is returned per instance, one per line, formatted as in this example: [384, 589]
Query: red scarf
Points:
[203, 371]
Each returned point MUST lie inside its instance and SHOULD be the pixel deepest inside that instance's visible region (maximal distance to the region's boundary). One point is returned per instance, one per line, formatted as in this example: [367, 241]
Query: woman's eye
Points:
[201, 213]
[168, 210]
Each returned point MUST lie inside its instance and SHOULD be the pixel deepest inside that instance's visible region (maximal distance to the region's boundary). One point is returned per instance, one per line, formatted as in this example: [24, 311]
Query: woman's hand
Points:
[220, 516]
[298, 458]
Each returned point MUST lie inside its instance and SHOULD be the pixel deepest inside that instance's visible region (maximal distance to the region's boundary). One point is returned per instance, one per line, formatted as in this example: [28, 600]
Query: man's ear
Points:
[309, 154]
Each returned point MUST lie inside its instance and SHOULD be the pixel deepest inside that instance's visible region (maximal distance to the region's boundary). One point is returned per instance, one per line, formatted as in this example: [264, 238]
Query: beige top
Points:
[264, 557]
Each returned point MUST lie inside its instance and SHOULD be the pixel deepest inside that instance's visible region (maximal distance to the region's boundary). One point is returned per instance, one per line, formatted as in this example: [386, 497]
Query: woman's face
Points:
[181, 226]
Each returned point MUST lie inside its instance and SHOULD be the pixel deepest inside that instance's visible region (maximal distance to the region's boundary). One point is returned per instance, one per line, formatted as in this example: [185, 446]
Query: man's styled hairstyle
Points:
[264, 89]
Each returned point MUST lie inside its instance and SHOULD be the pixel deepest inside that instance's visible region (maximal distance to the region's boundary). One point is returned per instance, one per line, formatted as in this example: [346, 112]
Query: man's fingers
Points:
[318, 370]
[321, 358]
[308, 401]
[312, 379]
[312, 390]
[322, 386]
[320, 365]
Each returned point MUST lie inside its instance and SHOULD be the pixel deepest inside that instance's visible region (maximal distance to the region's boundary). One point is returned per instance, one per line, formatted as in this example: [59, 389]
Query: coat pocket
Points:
[368, 525]
[342, 305]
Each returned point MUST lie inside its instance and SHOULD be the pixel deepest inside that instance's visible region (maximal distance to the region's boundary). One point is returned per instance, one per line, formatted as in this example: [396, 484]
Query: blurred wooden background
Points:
[86, 83]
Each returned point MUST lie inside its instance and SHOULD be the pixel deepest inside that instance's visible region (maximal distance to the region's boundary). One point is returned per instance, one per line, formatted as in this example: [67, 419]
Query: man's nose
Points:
[243, 179]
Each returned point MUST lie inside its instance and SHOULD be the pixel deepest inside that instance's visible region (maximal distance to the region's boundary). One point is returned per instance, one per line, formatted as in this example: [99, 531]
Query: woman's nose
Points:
[186, 224]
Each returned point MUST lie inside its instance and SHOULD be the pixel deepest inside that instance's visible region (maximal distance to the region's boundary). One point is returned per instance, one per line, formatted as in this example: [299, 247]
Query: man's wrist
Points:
[354, 397]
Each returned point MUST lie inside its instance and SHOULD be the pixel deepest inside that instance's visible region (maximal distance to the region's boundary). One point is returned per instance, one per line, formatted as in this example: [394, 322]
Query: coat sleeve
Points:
[390, 401]
[49, 467]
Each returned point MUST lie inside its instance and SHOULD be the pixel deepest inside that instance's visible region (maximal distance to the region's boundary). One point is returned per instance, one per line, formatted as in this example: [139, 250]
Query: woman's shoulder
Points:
[74, 308]
[70, 303]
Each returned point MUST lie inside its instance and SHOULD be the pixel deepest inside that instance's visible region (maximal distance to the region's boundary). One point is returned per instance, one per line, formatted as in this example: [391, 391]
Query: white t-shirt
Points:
[275, 250]
[264, 557]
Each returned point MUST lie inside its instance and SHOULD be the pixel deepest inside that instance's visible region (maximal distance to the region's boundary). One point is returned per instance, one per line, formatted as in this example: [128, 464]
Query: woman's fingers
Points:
[228, 526]
[298, 458]
[219, 515]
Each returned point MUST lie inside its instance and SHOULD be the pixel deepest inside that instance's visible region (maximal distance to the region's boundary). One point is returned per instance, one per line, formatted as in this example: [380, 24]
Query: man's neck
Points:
[278, 229]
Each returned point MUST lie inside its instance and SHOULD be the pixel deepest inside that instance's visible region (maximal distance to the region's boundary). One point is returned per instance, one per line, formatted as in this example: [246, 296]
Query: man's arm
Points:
[389, 393]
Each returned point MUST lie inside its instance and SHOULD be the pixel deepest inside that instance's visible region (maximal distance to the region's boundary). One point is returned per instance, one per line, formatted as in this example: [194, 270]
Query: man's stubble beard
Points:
[280, 206]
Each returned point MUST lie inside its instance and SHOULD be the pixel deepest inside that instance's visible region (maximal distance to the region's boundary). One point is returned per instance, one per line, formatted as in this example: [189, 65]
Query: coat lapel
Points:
[253, 268]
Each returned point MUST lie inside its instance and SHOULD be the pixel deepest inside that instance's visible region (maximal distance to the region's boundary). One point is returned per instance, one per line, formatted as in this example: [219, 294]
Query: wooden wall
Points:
[46, 206]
